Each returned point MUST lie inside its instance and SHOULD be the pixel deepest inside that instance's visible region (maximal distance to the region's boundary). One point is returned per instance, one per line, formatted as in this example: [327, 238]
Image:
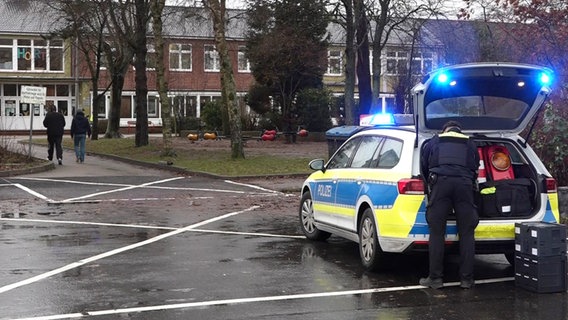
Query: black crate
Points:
[540, 274]
[540, 239]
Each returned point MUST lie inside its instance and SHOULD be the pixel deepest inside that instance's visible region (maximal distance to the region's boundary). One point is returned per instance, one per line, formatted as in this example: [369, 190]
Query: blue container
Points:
[338, 135]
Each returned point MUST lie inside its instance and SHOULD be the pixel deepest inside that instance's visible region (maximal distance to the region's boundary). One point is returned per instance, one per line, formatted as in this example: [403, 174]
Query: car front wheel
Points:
[307, 221]
[369, 247]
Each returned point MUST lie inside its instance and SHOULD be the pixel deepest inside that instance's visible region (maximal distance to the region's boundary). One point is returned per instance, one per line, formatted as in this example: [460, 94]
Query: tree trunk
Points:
[161, 79]
[228, 87]
[140, 77]
[350, 63]
[113, 127]
[363, 63]
[98, 100]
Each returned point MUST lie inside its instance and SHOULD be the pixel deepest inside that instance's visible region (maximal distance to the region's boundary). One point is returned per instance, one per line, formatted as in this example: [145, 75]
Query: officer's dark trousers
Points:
[447, 193]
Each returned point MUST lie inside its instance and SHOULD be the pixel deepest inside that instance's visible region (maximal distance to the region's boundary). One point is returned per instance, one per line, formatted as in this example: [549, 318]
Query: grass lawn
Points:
[211, 158]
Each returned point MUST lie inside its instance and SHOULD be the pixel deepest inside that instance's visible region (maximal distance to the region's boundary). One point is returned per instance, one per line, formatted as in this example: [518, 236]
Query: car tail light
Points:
[550, 185]
[410, 186]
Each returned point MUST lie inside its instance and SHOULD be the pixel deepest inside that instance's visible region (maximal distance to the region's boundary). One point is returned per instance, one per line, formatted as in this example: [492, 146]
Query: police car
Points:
[371, 192]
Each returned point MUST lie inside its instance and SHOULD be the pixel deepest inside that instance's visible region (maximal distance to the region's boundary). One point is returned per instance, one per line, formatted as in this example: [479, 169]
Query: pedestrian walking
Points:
[80, 130]
[55, 124]
[448, 164]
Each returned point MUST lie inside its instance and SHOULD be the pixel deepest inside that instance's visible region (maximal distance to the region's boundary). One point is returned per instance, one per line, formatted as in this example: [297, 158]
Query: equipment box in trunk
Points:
[506, 198]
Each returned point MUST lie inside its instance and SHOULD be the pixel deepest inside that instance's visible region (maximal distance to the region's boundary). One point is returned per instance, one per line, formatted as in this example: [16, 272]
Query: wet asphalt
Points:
[112, 240]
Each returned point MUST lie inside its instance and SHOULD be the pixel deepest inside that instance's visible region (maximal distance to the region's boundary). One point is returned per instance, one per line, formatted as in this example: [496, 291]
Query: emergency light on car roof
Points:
[385, 119]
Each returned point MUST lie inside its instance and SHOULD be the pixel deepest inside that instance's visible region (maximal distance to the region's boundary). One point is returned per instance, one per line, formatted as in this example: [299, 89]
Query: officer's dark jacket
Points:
[450, 154]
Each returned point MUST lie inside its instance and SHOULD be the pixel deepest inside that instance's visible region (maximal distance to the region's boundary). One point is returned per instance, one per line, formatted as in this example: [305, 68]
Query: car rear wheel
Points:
[369, 247]
[307, 221]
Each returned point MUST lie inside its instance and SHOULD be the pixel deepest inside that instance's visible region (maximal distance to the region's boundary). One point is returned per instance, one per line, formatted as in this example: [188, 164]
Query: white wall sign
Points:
[33, 95]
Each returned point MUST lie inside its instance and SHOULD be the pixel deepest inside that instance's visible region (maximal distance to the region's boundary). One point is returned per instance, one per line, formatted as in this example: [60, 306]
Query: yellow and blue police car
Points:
[370, 190]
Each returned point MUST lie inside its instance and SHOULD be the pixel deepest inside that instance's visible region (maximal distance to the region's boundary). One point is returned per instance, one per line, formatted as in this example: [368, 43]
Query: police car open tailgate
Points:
[483, 97]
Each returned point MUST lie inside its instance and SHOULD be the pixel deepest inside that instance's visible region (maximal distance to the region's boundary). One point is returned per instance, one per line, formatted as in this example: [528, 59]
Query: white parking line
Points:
[259, 234]
[120, 189]
[119, 250]
[125, 187]
[32, 192]
[251, 300]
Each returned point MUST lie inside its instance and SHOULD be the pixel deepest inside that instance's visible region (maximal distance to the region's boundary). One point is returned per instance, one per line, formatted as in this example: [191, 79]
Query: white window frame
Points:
[242, 60]
[31, 55]
[150, 52]
[425, 60]
[211, 60]
[334, 58]
[398, 57]
[180, 50]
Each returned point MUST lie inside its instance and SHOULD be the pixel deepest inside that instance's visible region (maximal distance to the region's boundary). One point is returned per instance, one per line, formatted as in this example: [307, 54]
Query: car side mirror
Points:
[317, 164]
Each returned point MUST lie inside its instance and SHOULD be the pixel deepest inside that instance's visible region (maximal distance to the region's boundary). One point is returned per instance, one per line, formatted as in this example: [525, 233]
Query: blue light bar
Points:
[382, 119]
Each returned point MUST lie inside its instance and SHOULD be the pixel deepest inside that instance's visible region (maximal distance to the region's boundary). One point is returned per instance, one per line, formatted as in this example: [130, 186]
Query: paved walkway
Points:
[96, 165]
[93, 165]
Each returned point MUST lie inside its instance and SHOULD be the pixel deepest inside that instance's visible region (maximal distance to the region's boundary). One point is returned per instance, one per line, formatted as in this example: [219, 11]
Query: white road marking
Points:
[252, 300]
[32, 192]
[251, 186]
[119, 250]
[125, 187]
[121, 189]
[258, 234]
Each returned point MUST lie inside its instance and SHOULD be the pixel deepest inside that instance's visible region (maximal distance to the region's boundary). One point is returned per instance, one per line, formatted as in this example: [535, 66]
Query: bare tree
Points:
[217, 9]
[85, 23]
[157, 9]
[344, 15]
[390, 16]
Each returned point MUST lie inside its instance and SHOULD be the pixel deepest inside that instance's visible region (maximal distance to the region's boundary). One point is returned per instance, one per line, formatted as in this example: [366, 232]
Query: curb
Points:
[180, 170]
[37, 169]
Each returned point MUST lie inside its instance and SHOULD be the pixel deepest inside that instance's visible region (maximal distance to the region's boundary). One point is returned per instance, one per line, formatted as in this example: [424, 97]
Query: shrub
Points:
[550, 140]
[313, 109]
[211, 115]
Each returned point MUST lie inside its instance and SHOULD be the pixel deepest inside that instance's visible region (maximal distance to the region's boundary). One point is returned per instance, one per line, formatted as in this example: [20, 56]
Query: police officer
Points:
[449, 163]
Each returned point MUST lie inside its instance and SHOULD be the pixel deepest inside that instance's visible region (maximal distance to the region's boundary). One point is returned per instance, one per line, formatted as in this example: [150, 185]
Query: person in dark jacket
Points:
[80, 129]
[448, 164]
[55, 124]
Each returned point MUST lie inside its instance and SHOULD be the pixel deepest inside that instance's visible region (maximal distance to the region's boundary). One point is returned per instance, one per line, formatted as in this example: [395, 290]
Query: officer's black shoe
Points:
[432, 283]
[467, 283]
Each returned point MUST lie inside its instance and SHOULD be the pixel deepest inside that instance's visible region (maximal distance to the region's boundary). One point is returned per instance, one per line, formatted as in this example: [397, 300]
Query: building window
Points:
[422, 62]
[151, 57]
[153, 103]
[334, 62]
[6, 56]
[33, 55]
[212, 62]
[244, 65]
[396, 62]
[180, 57]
